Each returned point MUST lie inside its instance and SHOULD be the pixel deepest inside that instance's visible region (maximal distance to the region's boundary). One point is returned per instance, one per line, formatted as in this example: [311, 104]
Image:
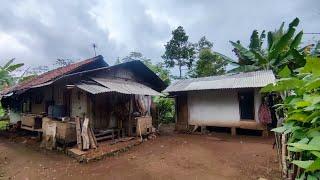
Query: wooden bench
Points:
[109, 134]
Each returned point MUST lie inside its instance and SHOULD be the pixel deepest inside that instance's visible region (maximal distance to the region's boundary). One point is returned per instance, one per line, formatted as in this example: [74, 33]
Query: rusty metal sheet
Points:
[126, 86]
[93, 88]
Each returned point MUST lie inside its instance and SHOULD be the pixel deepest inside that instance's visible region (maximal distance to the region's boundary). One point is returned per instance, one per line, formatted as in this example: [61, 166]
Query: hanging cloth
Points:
[264, 114]
[143, 104]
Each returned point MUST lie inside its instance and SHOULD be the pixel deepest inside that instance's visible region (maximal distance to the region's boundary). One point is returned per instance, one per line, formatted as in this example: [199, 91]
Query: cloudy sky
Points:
[39, 32]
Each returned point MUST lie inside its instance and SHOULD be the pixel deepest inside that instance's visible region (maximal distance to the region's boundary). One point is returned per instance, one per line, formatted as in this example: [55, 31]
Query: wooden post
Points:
[78, 129]
[284, 156]
[203, 129]
[94, 137]
[233, 131]
[140, 131]
[91, 139]
[129, 122]
[84, 133]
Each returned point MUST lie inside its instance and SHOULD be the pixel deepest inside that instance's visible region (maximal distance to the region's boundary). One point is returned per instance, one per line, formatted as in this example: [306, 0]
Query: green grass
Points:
[3, 124]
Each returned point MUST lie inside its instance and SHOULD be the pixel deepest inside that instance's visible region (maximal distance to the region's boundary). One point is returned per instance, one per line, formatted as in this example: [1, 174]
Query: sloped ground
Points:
[179, 156]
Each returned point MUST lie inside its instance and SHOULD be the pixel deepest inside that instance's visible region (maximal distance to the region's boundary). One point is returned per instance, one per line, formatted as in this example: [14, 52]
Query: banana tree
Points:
[282, 50]
[6, 78]
[302, 117]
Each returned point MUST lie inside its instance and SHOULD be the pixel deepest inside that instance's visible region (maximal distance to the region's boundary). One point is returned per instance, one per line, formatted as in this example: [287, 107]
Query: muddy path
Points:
[218, 156]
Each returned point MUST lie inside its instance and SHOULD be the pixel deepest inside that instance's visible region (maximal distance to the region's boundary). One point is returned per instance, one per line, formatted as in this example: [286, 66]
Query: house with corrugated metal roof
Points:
[115, 100]
[231, 100]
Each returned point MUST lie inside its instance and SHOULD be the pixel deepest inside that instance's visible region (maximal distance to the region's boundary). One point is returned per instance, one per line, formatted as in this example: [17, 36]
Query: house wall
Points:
[78, 103]
[217, 107]
[109, 110]
[46, 93]
[208, 107]
[117, 73]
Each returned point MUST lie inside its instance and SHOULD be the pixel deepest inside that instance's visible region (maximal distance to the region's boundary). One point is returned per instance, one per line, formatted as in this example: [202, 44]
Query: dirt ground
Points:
[180, 156]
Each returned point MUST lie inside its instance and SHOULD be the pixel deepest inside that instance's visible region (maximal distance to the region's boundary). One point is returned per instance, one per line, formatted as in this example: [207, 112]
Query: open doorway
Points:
[246, 105]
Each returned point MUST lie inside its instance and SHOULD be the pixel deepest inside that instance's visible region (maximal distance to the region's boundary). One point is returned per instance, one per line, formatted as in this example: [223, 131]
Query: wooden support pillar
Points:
[265, 133]
[233, 131]
[203, 129]
[130, 117]
[78, 129]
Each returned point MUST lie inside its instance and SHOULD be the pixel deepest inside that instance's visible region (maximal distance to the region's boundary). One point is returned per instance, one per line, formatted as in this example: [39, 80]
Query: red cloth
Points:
[264, 114]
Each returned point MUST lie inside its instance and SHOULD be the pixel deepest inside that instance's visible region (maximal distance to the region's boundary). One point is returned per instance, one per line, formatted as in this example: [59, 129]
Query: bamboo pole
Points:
[284, 156]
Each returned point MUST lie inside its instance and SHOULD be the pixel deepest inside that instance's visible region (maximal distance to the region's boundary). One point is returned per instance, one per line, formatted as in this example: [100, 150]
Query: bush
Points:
[165, 108]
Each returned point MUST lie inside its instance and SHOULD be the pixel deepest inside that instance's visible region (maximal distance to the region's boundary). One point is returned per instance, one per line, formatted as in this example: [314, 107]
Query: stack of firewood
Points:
[85, 136]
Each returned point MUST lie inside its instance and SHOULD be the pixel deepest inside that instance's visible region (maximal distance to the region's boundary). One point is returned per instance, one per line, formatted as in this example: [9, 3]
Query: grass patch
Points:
[3, 124]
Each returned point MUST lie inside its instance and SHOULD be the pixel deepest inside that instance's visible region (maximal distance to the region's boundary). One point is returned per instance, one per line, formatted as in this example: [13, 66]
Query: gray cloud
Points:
[38, 32]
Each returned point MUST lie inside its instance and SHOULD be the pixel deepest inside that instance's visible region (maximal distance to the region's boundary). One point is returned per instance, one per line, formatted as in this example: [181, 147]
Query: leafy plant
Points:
[165, 109]
[6, 77]
[302, 114]
[282, 50]
[209, 64]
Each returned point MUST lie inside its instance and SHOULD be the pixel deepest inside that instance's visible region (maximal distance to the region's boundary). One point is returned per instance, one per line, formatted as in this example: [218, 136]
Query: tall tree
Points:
[209, 64]
[204, 43]
[133, 56]
[179, 51]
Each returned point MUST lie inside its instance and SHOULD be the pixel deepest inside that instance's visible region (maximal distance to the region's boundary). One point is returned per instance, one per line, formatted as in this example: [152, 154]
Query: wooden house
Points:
[113, 98]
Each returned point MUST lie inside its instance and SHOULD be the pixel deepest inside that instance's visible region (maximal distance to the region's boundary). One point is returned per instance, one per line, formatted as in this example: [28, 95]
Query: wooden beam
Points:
[84, 134]
[78, 129]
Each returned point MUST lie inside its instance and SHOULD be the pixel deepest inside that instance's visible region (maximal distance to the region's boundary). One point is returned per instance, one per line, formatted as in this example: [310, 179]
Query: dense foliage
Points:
[209, 64]
[301, 107]
[166, 110]
[282, 49]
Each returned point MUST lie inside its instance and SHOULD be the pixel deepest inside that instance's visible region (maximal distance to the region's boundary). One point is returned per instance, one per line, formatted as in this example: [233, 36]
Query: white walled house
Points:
[231, 100]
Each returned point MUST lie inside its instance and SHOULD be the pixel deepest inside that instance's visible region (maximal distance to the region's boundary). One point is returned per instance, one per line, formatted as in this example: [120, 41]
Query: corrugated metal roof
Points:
[93, 88]
[229, 81]
[126, 86]
[42, 79]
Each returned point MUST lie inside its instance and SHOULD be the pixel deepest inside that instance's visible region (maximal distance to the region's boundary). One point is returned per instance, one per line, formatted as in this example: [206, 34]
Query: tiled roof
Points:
[51, 75]
[228, 81]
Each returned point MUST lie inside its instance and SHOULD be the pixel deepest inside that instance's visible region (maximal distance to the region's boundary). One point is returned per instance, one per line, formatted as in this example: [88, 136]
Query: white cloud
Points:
[46, 30]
